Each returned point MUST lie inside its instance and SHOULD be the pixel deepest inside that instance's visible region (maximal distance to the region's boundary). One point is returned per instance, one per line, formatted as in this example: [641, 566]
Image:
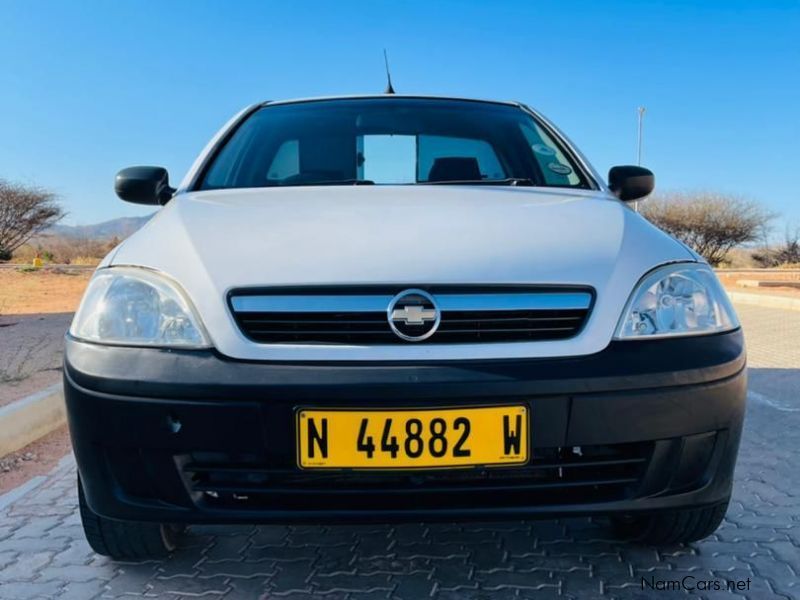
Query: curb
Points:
[765, 300]
[26, 420]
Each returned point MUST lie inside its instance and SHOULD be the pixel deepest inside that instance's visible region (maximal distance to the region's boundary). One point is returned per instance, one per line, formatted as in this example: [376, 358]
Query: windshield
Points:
[390, 141]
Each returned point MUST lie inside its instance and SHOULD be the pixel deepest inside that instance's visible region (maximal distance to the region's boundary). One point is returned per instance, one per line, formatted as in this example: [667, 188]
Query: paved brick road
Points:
[43, 554]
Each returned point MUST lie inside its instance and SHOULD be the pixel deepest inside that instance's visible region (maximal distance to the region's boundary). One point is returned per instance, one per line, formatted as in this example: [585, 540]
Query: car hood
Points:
[215, 241]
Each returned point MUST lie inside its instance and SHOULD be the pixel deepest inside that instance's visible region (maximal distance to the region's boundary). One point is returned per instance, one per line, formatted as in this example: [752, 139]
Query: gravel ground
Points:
[34, 459]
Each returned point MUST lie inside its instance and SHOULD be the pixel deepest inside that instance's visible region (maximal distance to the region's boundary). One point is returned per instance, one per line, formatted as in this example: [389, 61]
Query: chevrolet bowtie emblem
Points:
[414, 315]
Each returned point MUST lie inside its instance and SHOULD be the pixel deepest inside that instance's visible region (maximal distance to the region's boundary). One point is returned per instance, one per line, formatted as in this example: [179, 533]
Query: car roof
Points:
[389, 97]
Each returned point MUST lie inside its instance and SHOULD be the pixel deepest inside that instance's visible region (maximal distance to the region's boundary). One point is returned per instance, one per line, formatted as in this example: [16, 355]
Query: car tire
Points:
[125, 540]
[671, 527]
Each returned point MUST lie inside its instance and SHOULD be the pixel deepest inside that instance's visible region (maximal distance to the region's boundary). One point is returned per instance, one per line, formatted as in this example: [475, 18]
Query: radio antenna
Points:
[389, 89]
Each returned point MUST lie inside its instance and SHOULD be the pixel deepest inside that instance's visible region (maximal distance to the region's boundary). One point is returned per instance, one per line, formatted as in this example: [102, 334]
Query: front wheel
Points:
[671, 527]
[125, 540]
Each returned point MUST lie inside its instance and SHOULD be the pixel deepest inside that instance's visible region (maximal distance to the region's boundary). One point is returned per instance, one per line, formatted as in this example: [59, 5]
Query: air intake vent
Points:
[445, 316]
[554, 475]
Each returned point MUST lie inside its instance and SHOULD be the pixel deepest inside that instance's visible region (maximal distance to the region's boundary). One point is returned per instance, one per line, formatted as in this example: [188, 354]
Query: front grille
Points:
[509, 326]
[553, 476]
[337, 317]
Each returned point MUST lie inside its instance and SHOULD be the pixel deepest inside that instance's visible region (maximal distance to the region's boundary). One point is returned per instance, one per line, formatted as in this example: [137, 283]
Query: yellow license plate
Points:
[412, 439]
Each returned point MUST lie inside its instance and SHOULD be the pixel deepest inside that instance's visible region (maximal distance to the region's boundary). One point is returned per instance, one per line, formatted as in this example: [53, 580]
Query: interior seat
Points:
[455, 168]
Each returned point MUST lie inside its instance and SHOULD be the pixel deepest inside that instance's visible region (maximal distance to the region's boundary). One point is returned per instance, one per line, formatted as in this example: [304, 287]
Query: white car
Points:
[389, 308]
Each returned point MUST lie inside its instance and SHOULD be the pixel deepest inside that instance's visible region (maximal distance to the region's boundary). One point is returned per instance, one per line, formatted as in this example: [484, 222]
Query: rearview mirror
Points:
[143, 185]
[631, 183]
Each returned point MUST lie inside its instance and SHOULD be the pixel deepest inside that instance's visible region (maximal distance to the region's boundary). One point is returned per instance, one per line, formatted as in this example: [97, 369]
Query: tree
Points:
[786, 254]
[24, 212]
[709, 223]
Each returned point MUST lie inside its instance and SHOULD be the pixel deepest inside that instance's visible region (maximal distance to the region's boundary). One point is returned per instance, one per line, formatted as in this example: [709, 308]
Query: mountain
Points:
[120, 228]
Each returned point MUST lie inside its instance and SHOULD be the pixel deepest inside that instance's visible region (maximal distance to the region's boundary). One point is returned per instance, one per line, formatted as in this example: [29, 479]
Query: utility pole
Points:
[641, 111]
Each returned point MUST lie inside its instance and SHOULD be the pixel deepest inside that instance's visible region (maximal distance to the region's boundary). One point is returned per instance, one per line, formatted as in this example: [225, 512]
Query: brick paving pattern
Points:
[43, 553]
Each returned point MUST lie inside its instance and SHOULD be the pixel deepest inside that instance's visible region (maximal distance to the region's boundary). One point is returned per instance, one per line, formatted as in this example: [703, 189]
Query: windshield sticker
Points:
[559, 168]
[543, 150]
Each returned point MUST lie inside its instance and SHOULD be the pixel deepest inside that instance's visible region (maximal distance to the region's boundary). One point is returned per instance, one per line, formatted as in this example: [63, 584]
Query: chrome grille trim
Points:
[360, 316]
[494, 302]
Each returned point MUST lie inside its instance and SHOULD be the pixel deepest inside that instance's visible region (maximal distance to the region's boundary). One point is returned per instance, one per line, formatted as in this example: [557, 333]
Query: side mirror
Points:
[631, 183]
[143, 185]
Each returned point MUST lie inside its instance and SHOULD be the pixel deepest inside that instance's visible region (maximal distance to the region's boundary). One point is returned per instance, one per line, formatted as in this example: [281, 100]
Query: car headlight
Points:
[677, 299]
[137, 307]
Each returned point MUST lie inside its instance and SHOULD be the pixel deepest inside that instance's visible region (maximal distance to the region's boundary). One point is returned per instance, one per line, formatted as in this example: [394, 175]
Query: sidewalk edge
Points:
[26, 420]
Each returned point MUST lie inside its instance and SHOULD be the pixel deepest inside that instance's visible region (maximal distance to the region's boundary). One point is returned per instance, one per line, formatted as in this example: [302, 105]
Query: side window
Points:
[554, 165]
[434, 147]
[286, 161]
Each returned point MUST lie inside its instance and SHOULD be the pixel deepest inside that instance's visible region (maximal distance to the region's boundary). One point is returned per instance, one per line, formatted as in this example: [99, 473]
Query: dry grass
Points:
[64, 250]
[739, 258]
[25, 293]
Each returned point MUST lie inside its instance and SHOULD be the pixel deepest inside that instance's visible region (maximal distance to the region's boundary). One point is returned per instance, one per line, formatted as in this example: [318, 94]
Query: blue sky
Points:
[89, 87]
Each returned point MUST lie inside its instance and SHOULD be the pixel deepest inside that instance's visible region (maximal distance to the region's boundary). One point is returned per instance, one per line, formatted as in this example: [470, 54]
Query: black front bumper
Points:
[177, 436]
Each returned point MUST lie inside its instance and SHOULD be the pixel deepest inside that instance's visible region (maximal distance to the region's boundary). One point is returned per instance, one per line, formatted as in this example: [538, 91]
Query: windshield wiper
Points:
[513, 181]
[326, 182]
[344, 182]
